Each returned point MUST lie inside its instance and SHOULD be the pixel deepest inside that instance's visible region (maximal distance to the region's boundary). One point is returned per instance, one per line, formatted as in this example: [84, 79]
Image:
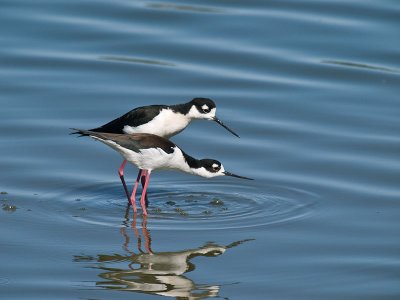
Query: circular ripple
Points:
[193, 205]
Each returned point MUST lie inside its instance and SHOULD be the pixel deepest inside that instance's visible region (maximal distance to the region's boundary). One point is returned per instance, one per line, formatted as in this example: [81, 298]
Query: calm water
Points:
[313, 89]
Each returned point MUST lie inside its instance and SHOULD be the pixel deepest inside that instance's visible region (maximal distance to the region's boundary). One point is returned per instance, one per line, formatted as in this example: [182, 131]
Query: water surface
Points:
[311, 87]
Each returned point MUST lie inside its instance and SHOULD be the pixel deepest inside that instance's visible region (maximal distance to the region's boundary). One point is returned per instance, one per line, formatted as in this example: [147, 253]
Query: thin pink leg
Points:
[143, 183]
[142, 199]
[121, 176]
[133, 195]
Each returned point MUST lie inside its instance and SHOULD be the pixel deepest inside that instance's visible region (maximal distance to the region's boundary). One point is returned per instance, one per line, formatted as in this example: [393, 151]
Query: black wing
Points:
[134, 141]
[134, 118]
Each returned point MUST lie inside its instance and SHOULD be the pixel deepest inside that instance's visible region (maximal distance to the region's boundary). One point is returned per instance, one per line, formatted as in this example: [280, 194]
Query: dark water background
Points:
[313, 89]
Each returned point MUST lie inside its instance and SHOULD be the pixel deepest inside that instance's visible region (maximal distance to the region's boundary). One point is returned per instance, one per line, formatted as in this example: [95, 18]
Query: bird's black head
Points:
[204, 105]
[211, 166]
[204, 108]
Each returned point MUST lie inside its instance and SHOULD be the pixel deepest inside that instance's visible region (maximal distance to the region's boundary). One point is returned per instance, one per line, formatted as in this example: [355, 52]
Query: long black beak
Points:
[226, 127]
[237, 176]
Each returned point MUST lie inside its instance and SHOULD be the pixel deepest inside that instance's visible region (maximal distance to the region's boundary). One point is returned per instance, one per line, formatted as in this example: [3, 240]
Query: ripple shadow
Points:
[134, 60]
[185, 8]
[359, 66]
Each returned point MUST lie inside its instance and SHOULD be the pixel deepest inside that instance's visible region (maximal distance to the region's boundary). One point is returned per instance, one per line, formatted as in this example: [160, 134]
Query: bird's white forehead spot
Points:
[215, 166]
[205, 106]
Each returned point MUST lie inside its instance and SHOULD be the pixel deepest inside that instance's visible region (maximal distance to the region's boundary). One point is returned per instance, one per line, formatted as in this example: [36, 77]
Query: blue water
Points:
[311, 87]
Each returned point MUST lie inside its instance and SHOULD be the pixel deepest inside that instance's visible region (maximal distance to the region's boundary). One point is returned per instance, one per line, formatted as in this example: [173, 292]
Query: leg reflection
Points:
[146, 234]
[156, 273]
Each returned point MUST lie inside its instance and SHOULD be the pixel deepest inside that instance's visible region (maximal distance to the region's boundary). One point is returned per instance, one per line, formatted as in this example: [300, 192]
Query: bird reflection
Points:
[159, 273]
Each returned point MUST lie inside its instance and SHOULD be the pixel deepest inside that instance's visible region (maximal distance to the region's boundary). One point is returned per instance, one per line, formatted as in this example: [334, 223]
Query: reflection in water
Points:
[159, 273]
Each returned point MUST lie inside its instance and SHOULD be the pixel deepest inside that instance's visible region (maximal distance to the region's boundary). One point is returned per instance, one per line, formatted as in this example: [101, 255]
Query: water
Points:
[311, 87]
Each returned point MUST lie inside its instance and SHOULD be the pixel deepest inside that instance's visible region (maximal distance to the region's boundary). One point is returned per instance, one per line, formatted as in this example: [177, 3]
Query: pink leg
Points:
[142, 199]
[121, 176]
[143, 182]
[132, 199]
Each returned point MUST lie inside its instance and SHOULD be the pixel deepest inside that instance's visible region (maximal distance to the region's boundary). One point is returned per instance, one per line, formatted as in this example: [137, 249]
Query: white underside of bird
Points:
[157, 159]
[166, 124]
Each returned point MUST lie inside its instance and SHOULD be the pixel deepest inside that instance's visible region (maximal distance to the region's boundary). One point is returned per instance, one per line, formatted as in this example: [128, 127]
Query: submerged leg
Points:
[142, 199]
[121, 176]
[133, 195]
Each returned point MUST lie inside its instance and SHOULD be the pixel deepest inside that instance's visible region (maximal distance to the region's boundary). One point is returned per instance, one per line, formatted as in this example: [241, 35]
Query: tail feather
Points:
[81, 132]
[99, 135]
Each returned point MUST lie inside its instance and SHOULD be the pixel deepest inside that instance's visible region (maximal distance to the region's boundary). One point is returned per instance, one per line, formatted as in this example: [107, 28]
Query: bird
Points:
[151, 152]
[162, 120]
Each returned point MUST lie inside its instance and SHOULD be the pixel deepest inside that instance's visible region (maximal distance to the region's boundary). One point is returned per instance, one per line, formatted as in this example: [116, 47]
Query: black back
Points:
[134, 118]
[137, 141]
[134, 141]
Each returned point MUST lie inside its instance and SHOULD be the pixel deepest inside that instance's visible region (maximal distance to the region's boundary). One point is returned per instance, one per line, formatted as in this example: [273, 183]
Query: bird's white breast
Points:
[151, 158]
[166, 124]
[157, 158]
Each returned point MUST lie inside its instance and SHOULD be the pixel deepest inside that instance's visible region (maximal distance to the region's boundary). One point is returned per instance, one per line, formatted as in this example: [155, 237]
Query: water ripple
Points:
[193, 206]
[185, 8]
[137, 60]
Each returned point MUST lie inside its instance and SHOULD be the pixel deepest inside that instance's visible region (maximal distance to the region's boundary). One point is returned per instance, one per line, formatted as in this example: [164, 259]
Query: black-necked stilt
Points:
[151, 152]
[161, 120]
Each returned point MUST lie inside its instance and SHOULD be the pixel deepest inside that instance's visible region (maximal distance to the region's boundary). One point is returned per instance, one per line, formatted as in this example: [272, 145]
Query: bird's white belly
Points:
[156, 159]
[151, 158]
[166, 124]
